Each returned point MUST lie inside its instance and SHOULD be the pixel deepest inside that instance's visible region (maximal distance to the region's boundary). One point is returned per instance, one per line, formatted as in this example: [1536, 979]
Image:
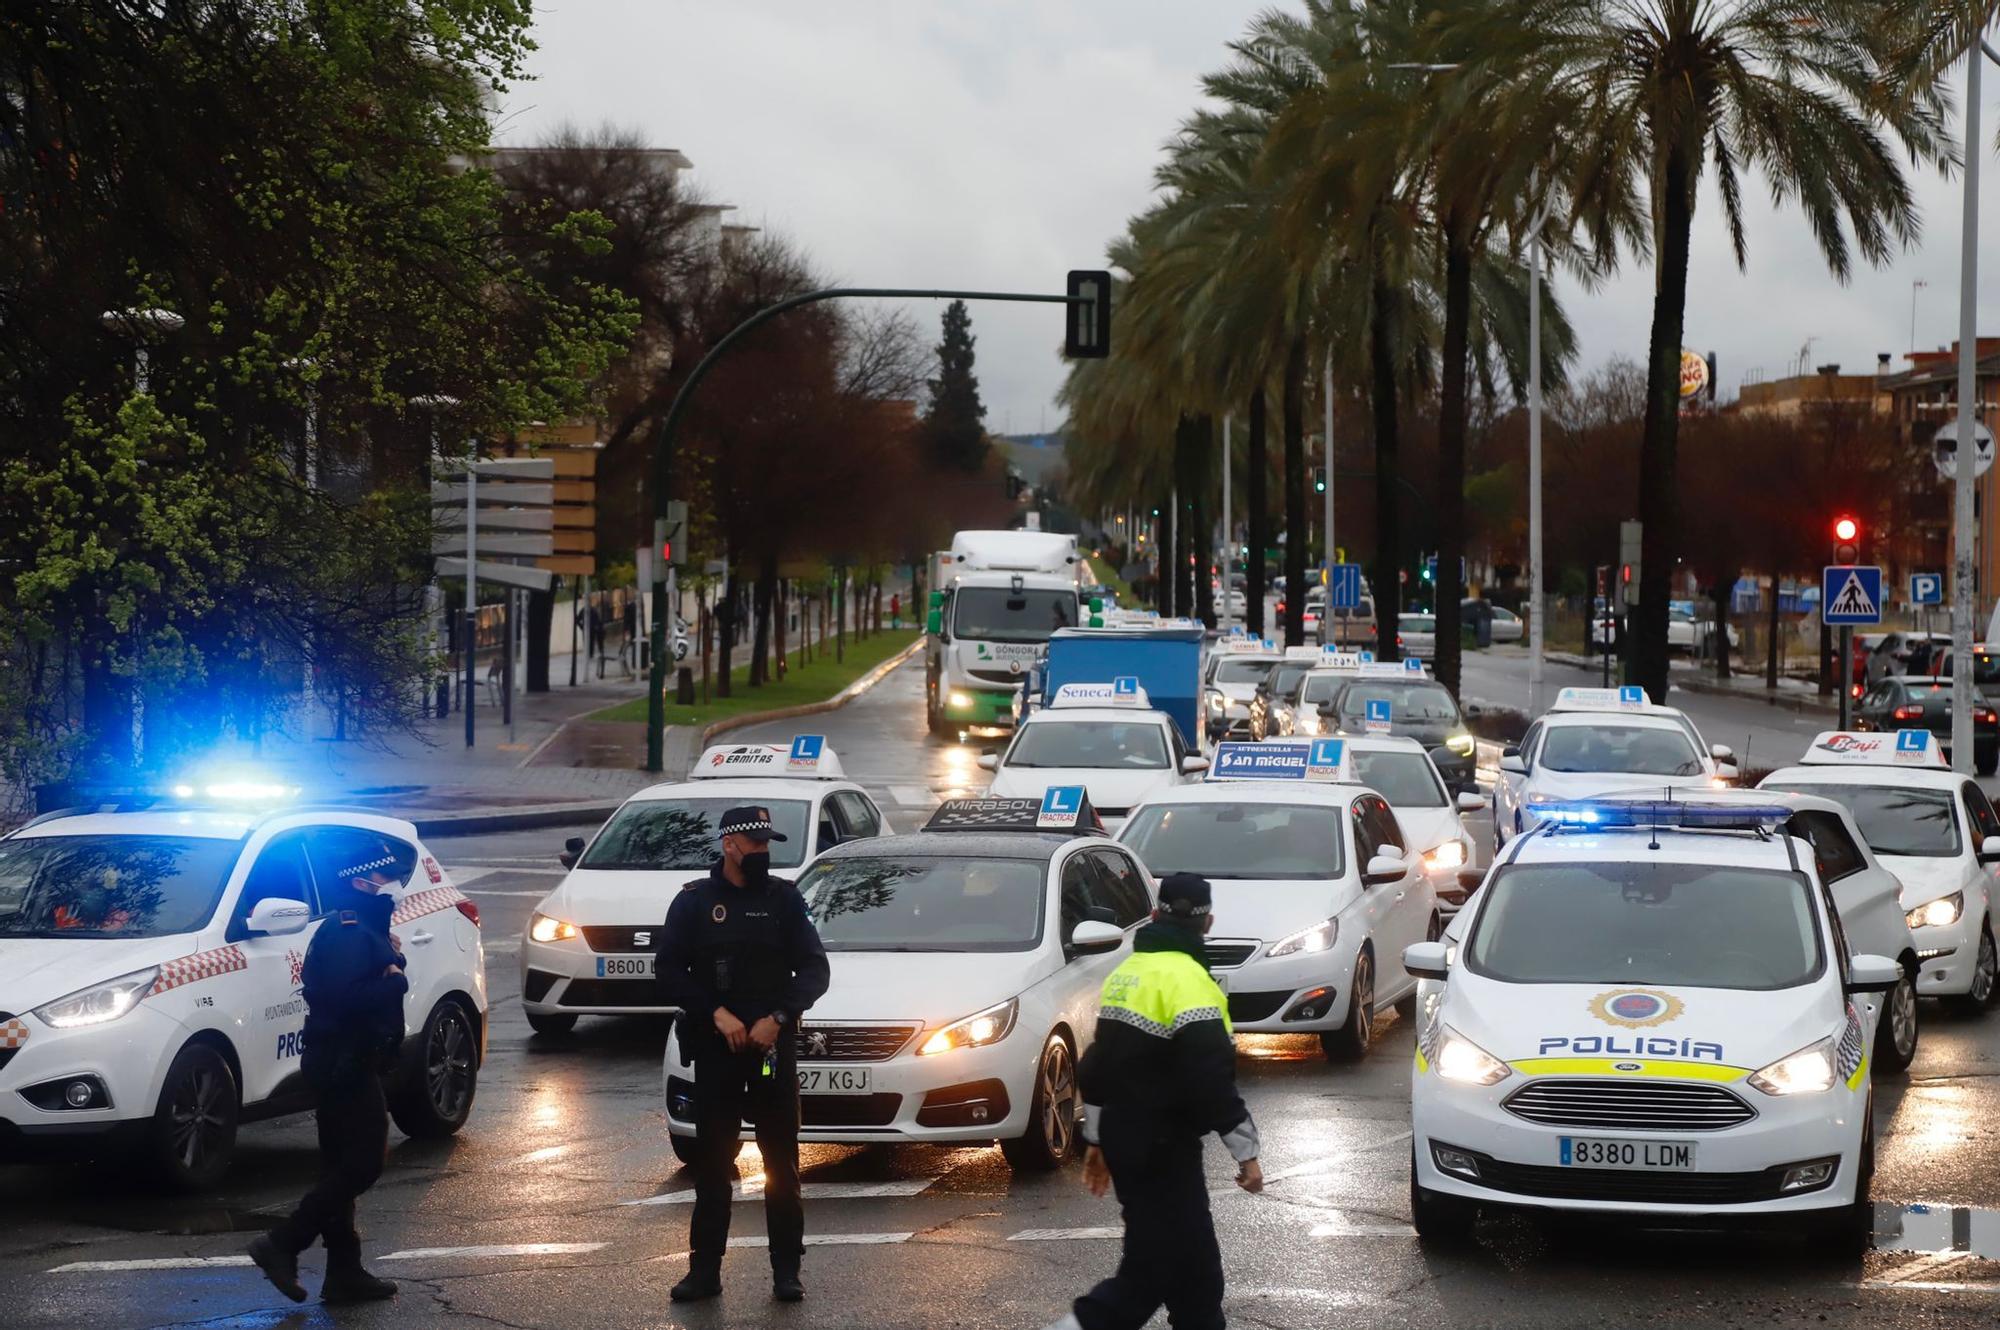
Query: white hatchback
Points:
[1120, 753]
[1431, 816]
[150, 978]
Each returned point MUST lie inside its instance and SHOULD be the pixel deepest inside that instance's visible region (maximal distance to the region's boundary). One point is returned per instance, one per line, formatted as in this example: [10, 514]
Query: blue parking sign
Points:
[1927, 588]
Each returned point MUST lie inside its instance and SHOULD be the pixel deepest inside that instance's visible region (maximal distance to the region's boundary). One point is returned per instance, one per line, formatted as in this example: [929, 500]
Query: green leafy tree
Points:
[955, 424]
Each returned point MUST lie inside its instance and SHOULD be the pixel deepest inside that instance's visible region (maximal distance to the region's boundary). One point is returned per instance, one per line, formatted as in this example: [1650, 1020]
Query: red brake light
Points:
[1908, 713]
[469, 910]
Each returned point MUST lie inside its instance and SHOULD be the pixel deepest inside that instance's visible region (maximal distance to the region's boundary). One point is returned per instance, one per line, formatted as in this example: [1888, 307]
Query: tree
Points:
[954, 424]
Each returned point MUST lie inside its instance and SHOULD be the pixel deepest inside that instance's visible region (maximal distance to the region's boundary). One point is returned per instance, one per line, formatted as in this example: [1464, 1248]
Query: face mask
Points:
[756, 867]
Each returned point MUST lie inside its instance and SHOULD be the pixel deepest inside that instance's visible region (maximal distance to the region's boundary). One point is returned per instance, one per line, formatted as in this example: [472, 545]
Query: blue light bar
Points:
[1612, 813]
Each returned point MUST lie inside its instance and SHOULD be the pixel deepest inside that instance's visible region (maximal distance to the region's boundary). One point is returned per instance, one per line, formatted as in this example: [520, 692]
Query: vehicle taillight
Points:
[1399, 640]
[1908, 713]
[469, 910]
[1985, 715]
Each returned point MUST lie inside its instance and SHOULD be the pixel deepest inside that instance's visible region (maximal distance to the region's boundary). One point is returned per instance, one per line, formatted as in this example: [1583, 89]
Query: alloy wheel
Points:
[1903, 1017]
[1362, 1017]
[198, 1117]
[1058, 1099]
[1985, 970]
[448, 1064]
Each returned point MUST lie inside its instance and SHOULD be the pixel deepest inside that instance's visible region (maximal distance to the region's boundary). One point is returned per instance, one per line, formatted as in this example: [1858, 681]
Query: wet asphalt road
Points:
[528, 1218]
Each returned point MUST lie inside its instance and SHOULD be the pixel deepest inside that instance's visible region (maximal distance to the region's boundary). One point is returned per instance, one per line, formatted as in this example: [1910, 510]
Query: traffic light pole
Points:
[1846, 675]
[663, 451]
[1963, 584]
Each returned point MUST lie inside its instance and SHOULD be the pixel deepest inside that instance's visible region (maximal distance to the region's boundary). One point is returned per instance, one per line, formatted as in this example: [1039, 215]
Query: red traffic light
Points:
[1845, 529]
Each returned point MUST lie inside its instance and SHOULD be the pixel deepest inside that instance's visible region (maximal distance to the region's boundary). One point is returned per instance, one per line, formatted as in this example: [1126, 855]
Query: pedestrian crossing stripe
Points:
[1066, 1234]
[830, 1239]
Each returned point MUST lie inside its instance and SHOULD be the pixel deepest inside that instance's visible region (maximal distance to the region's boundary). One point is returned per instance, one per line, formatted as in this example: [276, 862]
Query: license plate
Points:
[625, 967]
[1222, 982]
[833, 1080]
[1639, 1156]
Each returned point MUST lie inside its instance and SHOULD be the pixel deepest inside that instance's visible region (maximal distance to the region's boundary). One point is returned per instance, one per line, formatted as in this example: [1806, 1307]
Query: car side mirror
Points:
[1513, 764]
[1190, 765]
[1726, 771]
[1426, 960]
[1722, 752]
[1872, 974]
[1989, 850]
[1470, 801]
[278, 915]
[989, 761]
[1383, 869]
[1093, 937]
[572, 851]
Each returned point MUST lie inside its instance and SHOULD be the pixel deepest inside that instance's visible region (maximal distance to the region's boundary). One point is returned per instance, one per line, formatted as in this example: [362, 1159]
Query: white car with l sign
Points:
[1104, 737]
[1431, 816]
[1650, 1010]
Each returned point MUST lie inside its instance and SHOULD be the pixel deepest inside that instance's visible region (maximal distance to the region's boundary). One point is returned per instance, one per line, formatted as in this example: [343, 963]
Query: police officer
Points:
[1160, 1075]
[353, 984]
[741, 959]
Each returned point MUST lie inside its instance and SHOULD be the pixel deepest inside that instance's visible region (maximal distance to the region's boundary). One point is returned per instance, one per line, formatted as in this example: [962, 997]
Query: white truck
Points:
[995, 598]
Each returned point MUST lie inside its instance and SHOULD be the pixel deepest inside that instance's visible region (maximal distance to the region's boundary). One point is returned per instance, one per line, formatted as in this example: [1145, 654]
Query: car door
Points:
[1374, 911]
[1867, 895]
[1412, 901]
[1984, 822]
[1084, 892]
[1507, 788]
[274, 1013]
[860, 818]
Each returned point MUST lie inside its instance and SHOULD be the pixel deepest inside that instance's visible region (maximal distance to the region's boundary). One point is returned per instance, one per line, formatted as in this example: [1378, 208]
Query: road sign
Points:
[1087, 320]
[506, 574]
[1944, 449]
[513, 543]
[1927, 588]
[527, 496]
[1343, 587]
[1850, 593]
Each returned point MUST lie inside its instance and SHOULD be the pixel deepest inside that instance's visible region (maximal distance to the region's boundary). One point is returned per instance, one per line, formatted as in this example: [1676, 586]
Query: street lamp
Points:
[140, 325]
[1536, 640]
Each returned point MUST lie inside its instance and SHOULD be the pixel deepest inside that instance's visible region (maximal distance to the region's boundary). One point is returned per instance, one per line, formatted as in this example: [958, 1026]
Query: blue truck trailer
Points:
[1165, 660]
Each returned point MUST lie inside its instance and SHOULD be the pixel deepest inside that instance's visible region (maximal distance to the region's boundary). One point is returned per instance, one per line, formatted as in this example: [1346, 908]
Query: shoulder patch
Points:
[348, 918]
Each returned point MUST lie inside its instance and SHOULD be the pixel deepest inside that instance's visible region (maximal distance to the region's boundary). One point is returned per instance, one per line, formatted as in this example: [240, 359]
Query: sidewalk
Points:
[1697, 677]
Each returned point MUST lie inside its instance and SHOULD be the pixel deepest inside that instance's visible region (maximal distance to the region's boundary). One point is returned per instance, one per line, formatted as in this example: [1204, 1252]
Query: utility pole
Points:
[1326, 544]
[1228, 539]
[1963, 588]
[1537, 642]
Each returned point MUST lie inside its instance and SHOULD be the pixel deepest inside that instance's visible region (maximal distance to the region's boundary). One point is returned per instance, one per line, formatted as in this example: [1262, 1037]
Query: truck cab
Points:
[997, 598]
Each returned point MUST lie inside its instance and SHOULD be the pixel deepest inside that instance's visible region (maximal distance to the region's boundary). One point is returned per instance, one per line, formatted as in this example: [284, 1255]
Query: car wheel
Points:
[1440, 1220]
[1986, 766]
[551, 1026]
[1350, 1042]
[1896, 1032]
[440, 1073]
[1051, 1137]
[193, 1136]
[1985, 975]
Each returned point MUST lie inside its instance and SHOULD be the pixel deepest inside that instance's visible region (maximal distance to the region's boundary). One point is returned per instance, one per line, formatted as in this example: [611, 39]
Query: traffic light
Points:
[1319, 480]
[1846, 539]
[1087, 320]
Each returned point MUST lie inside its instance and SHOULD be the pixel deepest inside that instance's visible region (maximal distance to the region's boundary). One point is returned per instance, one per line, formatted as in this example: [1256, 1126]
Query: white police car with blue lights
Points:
[1649, 1009]
[1935, 830]
[1601, 741]
[150, 951]
[1105, 737]
[1317, 888]
[967, 961]
[589, 945]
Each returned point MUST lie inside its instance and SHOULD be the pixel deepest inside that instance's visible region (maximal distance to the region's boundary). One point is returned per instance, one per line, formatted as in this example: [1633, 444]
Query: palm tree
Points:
[1655, 91]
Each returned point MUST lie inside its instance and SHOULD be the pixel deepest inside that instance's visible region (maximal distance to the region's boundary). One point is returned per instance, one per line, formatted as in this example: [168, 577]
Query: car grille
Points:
[620, 937]
[1222, 955]
[995, 676]
[1633, 1186]
[848, 1110]
[1629, 1105]
[1256, 1006]
[610, 993]
[852, 1043]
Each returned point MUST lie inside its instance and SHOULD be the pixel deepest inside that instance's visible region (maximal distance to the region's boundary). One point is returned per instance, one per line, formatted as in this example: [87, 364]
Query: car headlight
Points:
[547, 928]
[1460, 743]
[1807, 1071]
[1451, 854]
[959, 701]
[105, 1002]
[984, 1027]
[1543, 799]
[1317, 938]
[1459, 1059]
[1216, 702]
[1938, 913]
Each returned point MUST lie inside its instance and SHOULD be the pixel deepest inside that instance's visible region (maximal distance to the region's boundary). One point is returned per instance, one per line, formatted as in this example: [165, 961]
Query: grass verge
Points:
[1103, 572]
[816, 682]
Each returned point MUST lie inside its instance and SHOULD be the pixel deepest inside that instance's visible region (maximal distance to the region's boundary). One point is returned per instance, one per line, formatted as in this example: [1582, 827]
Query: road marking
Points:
[832, 1240]
[158, 1263]
[753, 1189]
[1342, 1230]
[496, 1249]
[1065, 1234]
[1922, 1267]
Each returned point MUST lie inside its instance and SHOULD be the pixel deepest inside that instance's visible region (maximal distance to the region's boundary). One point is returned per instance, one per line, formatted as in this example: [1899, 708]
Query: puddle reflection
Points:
[1938, 1228]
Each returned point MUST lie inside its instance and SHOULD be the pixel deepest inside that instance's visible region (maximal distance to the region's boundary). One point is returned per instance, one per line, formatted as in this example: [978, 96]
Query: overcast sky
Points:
[930, 143]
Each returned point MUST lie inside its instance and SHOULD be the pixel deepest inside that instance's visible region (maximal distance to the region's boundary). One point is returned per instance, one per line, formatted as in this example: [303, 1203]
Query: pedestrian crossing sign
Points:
[1851, 593]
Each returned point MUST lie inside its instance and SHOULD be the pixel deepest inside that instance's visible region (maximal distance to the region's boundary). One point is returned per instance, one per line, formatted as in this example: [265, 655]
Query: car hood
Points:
[1108, 789]
[1583, 784]
[608, 896]
[1542, 1027]
[38, 970]
[1235, 692]
[1924, 878]
[1427, 828]
[933, 987]
[1268, 909]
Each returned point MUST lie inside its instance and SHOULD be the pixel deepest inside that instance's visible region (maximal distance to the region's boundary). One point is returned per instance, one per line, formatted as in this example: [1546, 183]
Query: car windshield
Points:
[996, 614]
[1416, 623]
[1242, 670]
[1630, 750]
[1230, 840]
[1640, 922]
[111, 886]
[1127, 745]
[680, 834]
[919, 903]
[1894, 820]
[1423, 703]
[1323, 687]
[1406, 780]
[1286, 677]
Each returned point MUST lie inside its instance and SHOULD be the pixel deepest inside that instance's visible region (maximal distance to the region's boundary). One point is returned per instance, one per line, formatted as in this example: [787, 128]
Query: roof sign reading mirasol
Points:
[1280, 759]
[1062, 808]
[1847, 748]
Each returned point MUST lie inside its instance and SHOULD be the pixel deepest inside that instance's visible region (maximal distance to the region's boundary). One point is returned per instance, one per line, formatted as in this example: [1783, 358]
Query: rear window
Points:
[1237, 840]
[1406, 780]
[680, 834]
[1417, 623]
[1111, 745]
[111, 886]
[1918, 823]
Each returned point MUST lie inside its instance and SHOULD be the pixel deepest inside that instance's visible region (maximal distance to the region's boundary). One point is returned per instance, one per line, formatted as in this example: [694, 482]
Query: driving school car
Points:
[1105, 737]
[1650, 1010]
[967, 962]
[589, 945]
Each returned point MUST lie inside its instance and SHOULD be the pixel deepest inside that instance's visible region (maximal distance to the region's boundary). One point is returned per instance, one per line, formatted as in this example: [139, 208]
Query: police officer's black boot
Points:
[280, 1266]
[785, 1285]
[346, 1281]
[697, 1285]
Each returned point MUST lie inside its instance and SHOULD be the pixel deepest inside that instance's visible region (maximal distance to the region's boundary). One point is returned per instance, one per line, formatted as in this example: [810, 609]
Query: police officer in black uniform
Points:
[741, 959]
[354, 983]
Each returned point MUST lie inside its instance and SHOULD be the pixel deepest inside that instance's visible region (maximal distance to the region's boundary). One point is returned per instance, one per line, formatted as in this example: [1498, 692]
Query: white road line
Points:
[497, 1249]
[1337, 1230]
[812, 1191]
[1065, 1234]
[158, 1263]
[832, 1240]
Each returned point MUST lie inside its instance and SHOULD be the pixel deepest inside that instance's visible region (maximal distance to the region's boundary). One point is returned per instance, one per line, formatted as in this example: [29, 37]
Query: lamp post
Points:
[1963, 586]
[1228, 537]
[141, 325]
[1536, 640]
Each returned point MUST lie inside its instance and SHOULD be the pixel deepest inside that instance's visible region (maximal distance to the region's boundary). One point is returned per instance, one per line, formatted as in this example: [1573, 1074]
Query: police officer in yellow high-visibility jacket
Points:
[1161, 1075]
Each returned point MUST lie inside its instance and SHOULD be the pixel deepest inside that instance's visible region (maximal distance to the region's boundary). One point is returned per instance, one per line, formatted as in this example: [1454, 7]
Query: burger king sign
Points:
[1694, 374]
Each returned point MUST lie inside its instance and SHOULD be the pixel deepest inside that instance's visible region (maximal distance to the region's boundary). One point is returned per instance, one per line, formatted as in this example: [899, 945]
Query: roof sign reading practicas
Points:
[1379, 720]
[1063, 808]
[1847, 748]
[1631, 697]
[806, 752]
[1282, 759]
[807, 757]
[1123, 691]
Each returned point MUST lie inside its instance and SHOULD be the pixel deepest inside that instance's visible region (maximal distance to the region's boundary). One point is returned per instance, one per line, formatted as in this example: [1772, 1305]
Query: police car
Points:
[1431, 816]
[1601, 741]
[1103, 736]
[1317, 887]
[1935, 830]
[967, 961]
[150, 952]
[588, 948]
[1229, 681]
[1651, 1009]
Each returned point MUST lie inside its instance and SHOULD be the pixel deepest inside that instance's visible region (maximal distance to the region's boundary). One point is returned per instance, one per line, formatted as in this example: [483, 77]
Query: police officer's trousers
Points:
[729, 1090]
[1170, 1254]
[353, 1146]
